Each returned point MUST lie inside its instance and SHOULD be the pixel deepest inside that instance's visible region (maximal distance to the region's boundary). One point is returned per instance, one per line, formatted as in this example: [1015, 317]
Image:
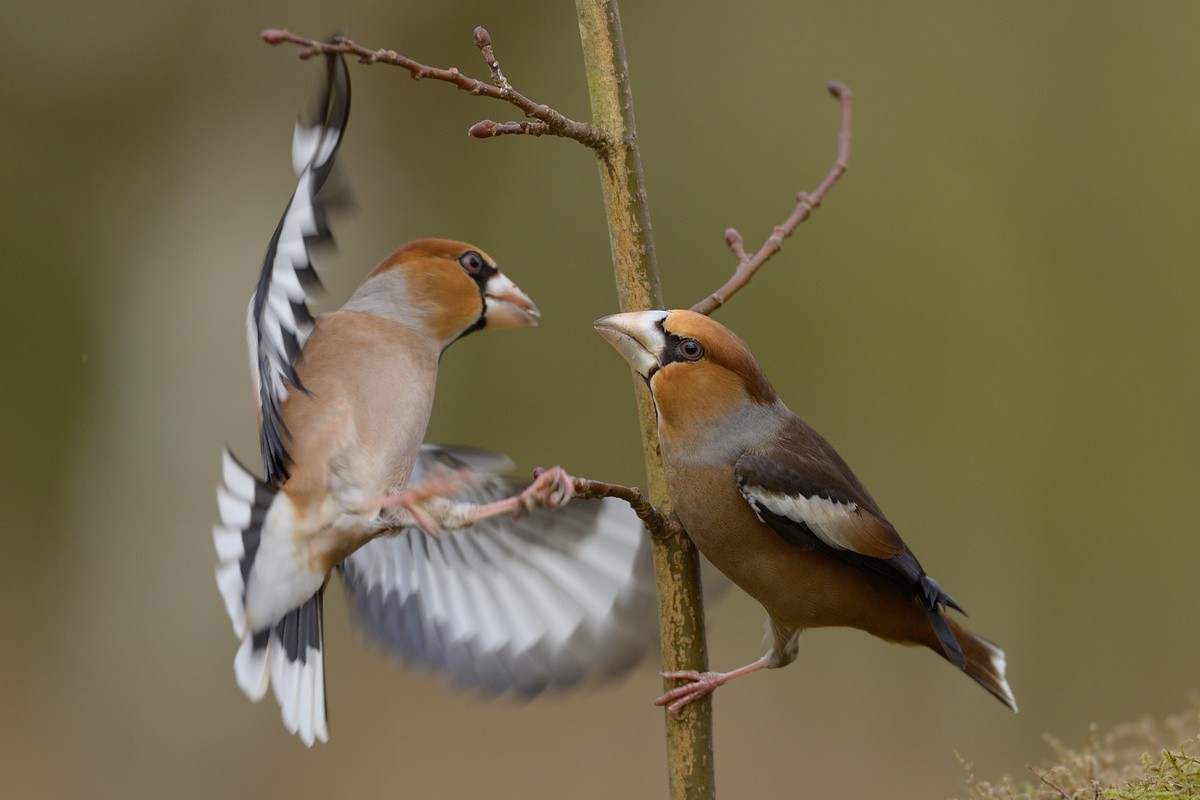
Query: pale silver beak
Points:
[506, 306]
[637, 336]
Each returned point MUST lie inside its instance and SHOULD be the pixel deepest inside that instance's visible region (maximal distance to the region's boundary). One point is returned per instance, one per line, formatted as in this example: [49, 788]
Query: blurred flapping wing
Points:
[550, 599]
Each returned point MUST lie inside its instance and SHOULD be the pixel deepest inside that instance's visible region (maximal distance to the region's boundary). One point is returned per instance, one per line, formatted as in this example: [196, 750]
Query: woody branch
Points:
[655, 521]
[542, 119]
[806, 203]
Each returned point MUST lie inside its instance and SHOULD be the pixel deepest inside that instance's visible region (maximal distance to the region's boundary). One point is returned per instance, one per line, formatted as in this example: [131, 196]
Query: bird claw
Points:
[698, 685]
[551, 488]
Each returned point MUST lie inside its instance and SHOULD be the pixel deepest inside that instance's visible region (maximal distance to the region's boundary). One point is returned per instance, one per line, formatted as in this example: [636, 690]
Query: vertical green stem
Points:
[681, 613]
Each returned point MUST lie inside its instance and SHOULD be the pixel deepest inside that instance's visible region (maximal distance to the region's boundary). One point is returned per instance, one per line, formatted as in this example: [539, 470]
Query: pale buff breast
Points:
[371, 384]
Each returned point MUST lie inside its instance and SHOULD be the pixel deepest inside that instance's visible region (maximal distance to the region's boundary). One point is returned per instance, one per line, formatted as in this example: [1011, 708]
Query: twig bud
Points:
[482, 38]
[483, 129]
[272, 36]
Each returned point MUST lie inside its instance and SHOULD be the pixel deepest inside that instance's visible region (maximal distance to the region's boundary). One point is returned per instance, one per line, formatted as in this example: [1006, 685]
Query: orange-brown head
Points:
[700, 373]
[450, 288]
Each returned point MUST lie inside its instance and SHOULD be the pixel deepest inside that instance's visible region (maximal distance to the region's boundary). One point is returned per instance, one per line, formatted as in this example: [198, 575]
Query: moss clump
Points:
[1176, 774]
[1138, 761]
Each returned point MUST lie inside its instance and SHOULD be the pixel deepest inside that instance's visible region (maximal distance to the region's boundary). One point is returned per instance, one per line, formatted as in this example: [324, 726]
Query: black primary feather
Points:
[279, 319]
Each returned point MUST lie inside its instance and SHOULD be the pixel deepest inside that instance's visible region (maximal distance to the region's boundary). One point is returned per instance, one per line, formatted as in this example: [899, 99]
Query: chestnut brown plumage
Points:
[774, 507]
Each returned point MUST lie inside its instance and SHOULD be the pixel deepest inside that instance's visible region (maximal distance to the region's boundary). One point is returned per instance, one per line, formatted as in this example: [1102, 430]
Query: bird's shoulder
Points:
[803, 488]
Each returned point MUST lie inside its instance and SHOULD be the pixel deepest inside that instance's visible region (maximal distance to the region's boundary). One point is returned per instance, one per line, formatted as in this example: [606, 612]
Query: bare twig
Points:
[1042, 776]
[805, 203]
[548, 121]
[483, 40]
[655, 521]
[485, 129]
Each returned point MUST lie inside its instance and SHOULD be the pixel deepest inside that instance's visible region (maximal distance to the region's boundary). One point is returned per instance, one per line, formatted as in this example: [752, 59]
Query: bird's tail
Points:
[985, 663]
[243, 502]
[288, 654]
[290, 657]
[935, 601]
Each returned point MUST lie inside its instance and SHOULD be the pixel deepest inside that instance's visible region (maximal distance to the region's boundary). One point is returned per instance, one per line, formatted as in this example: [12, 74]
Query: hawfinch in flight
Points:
[549, 599]
[774, 507]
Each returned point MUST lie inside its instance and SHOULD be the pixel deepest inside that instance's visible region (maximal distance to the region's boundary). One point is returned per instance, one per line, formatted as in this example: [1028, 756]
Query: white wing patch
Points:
[830, 520]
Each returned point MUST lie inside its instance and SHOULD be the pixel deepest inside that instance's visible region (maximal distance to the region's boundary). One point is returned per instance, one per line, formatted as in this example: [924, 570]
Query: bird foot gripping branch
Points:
[551, 488]
[429, 507]
[700, 684]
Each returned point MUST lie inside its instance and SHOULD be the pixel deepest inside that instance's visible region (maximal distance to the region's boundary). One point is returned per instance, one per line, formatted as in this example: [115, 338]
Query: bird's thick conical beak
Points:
[506, 306]
[637, 336]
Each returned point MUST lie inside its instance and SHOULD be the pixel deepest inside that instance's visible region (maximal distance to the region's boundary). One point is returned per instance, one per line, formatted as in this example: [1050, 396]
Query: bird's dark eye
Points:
[472, 262]
[691, 350]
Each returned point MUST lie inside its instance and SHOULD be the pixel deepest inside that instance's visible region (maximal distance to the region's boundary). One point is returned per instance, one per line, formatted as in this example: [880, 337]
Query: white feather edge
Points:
[284, 286]
[523, 615]
[235, 497]
[1000, 665]
[819, 514]
[306, 139]
[237, 480]
[229, 582]
[298, 686]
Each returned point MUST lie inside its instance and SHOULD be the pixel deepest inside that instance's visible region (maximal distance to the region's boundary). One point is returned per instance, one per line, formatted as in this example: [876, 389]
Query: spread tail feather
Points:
[243, 501]
[288, 655]
[290, 658]
[985, 663]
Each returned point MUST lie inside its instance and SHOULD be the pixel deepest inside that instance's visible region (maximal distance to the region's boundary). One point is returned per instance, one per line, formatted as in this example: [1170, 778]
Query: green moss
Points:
[1138, 761]
[1175, 774]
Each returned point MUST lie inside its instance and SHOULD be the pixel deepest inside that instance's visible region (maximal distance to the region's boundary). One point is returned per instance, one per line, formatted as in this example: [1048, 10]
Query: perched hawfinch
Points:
[776, 509]
[522, 604]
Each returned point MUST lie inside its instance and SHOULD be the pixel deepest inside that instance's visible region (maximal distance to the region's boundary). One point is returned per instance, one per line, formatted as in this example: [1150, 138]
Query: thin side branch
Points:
[806, 202]
[483, 40]
[547, 121]
[1042, 777]
[486, 129]
[655, 521]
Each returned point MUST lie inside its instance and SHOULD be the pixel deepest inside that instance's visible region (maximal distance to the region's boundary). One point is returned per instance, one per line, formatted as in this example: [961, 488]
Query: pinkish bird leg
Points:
[699, 684]
[437, 485]
[551, 488]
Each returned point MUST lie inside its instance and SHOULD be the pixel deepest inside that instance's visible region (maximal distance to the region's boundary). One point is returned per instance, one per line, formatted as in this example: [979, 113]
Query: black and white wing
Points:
[819, 510]
[548, 600]
[279, 322]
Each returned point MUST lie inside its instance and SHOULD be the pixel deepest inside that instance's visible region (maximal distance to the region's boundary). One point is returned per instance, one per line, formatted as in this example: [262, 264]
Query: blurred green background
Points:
[993, 318]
